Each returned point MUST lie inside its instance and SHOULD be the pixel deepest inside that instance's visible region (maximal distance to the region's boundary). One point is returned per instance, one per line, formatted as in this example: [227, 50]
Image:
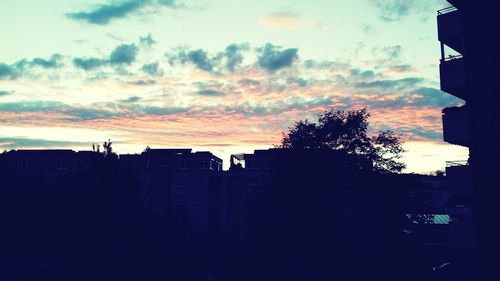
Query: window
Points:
[184, 164]
[163, 163]
[181, 181]
[252, 164]
[203, 164]
[60, 165]
[200, 181]
[253, 181]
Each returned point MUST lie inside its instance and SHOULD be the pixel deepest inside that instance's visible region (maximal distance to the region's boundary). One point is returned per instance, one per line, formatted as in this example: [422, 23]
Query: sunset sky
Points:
[219, 75]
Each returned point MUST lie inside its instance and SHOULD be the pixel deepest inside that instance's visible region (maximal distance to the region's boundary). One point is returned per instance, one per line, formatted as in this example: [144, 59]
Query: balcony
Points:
[450, 30]
[456, 125]
[452, 76]
[459, 178]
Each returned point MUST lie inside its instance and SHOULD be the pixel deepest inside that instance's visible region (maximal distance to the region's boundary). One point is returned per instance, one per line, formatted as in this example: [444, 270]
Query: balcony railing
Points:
[452, 74]
[456, 125]
[451, 57]
[457, 163]
[446, 10]
[450, 31]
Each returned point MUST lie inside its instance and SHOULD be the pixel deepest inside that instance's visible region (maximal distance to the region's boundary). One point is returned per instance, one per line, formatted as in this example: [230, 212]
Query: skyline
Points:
[218, 75]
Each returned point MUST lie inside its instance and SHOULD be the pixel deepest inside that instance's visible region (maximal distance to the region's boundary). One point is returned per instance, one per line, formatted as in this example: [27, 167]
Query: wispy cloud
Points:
[89, 63]
[152, 69]
[21, 142]
[368, 28]
[131, 99]
[4, 93]
[106, 13]
[147, 41]
[19, 68]
[287, 20]
[395, 10]
[124, 54]
[143, 82]
[210, 93]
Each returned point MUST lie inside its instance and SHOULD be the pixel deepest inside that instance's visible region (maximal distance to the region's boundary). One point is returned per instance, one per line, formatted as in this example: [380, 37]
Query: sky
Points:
[218, 75]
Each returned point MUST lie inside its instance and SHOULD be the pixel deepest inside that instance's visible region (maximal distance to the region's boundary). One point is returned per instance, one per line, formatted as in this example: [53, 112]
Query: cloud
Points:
[131, 99]
[392, 52]
[89, 63]
[228, 60]
[15, 142]
[270, 58]
[30, 106]
[285, 20]
[249, 82]
[200, 59]
[299, 81]
[280, 106]
[421, 97]
[420, 132]
[400, 68]
[432, 97]
[334, 65]
[94, 111]
[115, 37]
[366, 74]
[234, 56]
[393, 85]
[4, 93]
[17, 69]
[158, 110]
[8, 71]
[210, 92]
[124, 54]
[152, 69]
[104, 14]
[395, 10]
[273, 58]
[82, 113]
[53, 62]
[142, 82]
[147, 41]
[367, 28]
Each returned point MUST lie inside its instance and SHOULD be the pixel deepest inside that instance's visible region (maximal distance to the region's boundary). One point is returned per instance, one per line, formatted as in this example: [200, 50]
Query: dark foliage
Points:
[348, 131]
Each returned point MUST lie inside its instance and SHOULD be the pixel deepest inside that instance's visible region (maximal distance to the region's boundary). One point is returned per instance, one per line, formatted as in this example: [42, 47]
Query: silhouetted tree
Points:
[347, 130]
[108, 150]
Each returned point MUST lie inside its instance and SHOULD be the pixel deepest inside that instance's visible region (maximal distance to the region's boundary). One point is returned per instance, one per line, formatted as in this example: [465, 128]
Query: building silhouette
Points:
[467, 28]
[58, 167]
[90, 204]
[181, 183]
